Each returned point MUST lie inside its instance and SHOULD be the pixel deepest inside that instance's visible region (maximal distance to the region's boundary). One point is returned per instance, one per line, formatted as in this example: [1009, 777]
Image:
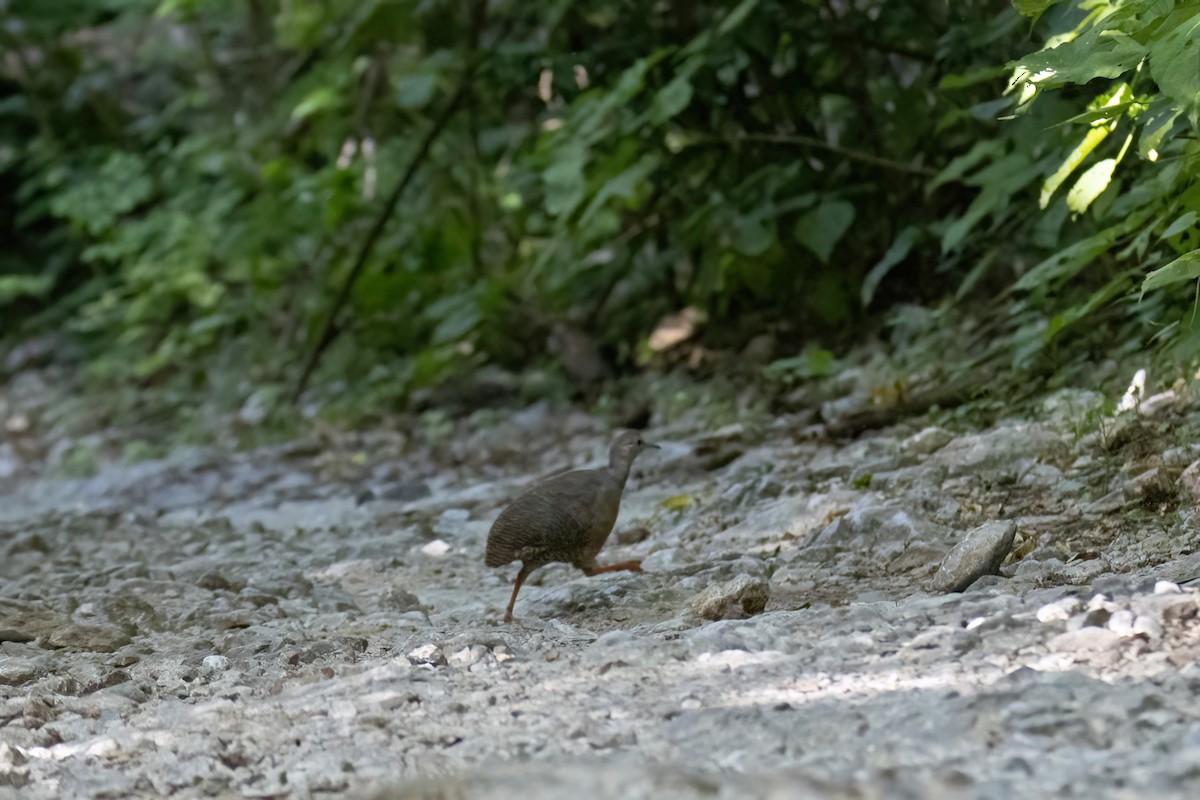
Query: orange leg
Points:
[624, 566]
[521, 576]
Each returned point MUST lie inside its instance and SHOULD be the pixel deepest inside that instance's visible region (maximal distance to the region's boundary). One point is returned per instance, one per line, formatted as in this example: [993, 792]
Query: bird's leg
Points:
[624, 566]
[521, 576]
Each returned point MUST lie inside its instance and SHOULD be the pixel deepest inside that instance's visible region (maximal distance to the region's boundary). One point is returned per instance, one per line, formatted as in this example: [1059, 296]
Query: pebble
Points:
[1084, 640]
[437, 548]
[1148, 627]
[662, 560]
[1121, 622]
[10, 757]
[740, 597]
[97, 638]
[927, 441]
[862, 645]
[1152, 487]
[214, 664]
[1059, 610]
[427, 654]
[1190, 481]
[16, 671]
[467, 656]
[451, 520]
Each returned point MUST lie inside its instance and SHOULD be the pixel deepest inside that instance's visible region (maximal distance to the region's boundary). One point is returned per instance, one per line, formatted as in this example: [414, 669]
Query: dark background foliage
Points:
[192, 185]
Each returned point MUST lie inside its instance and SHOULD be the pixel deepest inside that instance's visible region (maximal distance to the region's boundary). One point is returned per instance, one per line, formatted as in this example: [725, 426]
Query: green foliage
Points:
[814, 362]
[1137, 61]
[194, 178]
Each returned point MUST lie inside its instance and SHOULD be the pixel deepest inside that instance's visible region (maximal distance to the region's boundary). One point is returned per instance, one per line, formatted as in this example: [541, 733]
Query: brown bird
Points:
[567, 518]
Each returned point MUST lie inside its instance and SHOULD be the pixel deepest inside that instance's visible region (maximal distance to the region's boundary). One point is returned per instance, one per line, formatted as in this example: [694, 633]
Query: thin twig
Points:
[794, 140]
[477, 13]
[330, 331]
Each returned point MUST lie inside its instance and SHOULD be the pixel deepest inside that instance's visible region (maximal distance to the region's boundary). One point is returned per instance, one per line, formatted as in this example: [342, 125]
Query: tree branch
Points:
[330, 331]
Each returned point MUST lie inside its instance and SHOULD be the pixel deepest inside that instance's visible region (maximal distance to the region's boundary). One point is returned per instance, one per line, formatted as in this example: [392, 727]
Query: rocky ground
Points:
[316, 618]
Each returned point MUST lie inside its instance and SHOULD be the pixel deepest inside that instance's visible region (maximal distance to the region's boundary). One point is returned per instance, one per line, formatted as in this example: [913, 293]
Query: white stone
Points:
[1147, 626]
[426, 654]
[437, 548]
[215, 663]
[1121, 622]
[1059, 610]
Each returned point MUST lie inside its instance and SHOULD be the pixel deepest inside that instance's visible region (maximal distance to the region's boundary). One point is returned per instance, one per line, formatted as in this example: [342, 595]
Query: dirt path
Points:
[317, 619]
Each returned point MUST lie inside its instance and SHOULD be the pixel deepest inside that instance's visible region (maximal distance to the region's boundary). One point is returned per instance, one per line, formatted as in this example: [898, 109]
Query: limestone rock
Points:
[744, 596]
[981, 552]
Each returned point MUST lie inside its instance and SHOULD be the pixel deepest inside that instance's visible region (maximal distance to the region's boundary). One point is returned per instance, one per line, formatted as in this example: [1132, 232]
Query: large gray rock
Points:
[1001, 450]
[980, 553]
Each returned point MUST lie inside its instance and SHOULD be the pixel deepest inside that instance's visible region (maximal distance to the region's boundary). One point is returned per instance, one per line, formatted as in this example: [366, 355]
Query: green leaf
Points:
[416, 90]
[814, 362]
[822, 228]
[895, 254]
[1032, 8]
[455, 316]
[1175, 66]
[976, 274]
[1184, 268]
[564, 181]
[1090, 184]
[987, 149]
[96, 200]
[998, 182]
[671, 99]
[1099, 53]
[736, 17]
[1066, 263]
[971, 77]
[15, 286]
[1101, 115]
[753, 236]
[1082, 311]
[592, 120]
[678, 502]
[1185, 221]
[1089, 143]
[315, 101]
[1156, 125]
[623, 186]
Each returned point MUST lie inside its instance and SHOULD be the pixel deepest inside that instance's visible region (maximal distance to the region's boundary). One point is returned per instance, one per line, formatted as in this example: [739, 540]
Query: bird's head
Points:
[625, 448]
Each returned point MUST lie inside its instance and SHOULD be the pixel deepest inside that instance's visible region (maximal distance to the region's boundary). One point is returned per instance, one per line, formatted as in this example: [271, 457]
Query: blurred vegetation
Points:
[195, 185]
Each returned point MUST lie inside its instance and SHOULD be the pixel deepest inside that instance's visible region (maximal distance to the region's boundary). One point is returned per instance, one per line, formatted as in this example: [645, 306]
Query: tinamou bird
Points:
[566, 518]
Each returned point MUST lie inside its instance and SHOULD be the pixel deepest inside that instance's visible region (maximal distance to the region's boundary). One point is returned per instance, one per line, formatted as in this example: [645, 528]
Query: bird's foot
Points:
[521, 623]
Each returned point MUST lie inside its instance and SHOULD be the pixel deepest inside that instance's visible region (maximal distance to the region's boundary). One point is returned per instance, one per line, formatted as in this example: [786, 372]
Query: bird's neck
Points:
[618, 468]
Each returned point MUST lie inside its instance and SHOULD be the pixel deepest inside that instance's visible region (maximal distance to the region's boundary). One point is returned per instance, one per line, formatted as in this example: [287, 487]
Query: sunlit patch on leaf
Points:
[1090, 184]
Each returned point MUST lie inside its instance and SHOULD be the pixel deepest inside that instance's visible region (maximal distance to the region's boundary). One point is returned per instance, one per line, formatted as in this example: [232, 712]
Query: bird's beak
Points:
[650, 445]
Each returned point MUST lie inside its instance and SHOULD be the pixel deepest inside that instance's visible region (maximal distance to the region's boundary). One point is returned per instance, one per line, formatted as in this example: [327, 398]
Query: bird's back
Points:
[564, 518]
